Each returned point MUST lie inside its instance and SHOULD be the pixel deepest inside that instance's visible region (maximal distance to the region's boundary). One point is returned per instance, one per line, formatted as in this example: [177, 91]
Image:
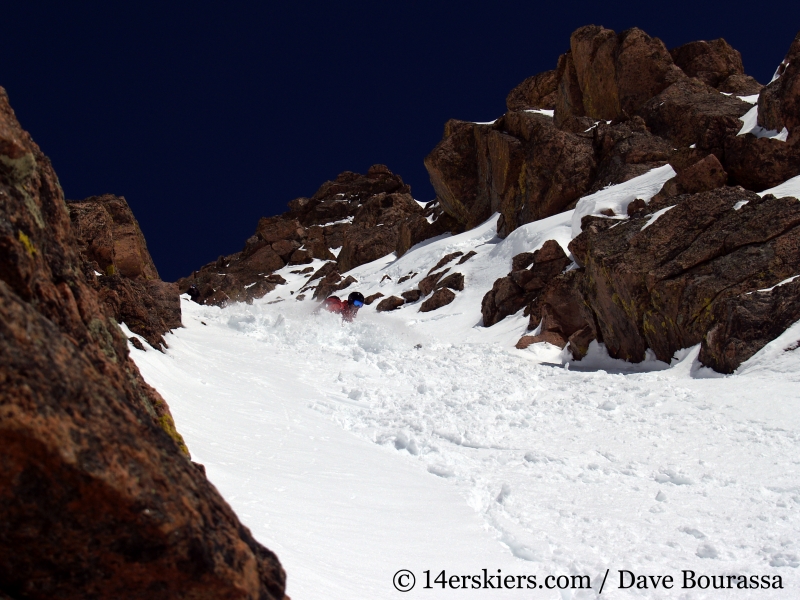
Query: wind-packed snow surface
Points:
[424, 441]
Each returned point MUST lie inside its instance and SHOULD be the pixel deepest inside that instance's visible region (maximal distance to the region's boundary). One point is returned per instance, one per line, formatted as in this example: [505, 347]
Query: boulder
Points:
[466, 257]
[710, 62]
[454, 281]
[746, 323]
[705, 175]
[447, 258]
[453, 170]
[285, 248]
[98, 496]
[740, 85]
[551, 337]
[535, 170]
[276, 229]
[779, 102]
[428, 284]
[440, 298]
[390, 303]
[411, 296]
[371, 298]
[538, 91]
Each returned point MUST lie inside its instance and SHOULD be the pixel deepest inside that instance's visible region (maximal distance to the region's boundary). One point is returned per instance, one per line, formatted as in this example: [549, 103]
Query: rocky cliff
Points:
[97, 495]
[705, 261]
[116, 263]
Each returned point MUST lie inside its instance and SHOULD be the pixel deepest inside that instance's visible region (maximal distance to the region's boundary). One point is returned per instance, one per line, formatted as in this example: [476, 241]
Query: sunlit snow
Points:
[409, 440]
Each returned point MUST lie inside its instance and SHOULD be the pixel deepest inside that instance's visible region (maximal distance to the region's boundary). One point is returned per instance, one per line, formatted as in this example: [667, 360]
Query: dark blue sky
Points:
[206, 116]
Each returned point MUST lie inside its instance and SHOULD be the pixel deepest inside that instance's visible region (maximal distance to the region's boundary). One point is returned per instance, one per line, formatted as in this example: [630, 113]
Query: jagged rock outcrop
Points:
[617, 73]
[98, 499]
[668, 285]
[357, 217]
[530, 273]
[522, 166]
[117, 264]
[376, 228]
[623, 104]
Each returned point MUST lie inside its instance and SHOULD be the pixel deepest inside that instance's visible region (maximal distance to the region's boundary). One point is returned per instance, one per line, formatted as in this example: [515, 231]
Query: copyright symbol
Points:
[404, 580]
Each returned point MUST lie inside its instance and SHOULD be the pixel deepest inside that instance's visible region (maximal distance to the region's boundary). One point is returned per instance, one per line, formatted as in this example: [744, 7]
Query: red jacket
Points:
[340, 307]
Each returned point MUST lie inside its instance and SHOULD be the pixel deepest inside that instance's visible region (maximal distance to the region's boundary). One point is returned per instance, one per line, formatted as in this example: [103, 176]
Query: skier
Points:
[348, 309]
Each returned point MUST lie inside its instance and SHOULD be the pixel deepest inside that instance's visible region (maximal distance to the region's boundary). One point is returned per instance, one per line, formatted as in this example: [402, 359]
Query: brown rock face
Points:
[117, 264]
[779, 102]
[666, 286]
[710, 62]
[312, 228]
[746, 323]
[375, 229]
[618, 73]
[705, 175]
[527, 166]
[690, 112]
[522, 286]
[453, 170]
[538, 91]
[761, 163]
[626, 150]
[97, 497]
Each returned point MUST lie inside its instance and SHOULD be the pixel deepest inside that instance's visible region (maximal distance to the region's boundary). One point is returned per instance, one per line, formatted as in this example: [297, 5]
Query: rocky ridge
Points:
[616, 106]
[98, 496]
[350, 221]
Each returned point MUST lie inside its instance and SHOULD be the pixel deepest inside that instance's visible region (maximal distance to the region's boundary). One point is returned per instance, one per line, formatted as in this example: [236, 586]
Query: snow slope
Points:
[426, 441]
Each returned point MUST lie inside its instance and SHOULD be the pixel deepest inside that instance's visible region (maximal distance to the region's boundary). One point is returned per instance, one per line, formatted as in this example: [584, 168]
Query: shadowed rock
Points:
[535, 92]
[710, 62]
[663, 286]
[118, 266]
[98, 499]
[779, 102]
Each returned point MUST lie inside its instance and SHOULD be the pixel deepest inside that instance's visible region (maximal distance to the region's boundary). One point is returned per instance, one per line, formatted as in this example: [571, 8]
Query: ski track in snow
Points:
[565, 469]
